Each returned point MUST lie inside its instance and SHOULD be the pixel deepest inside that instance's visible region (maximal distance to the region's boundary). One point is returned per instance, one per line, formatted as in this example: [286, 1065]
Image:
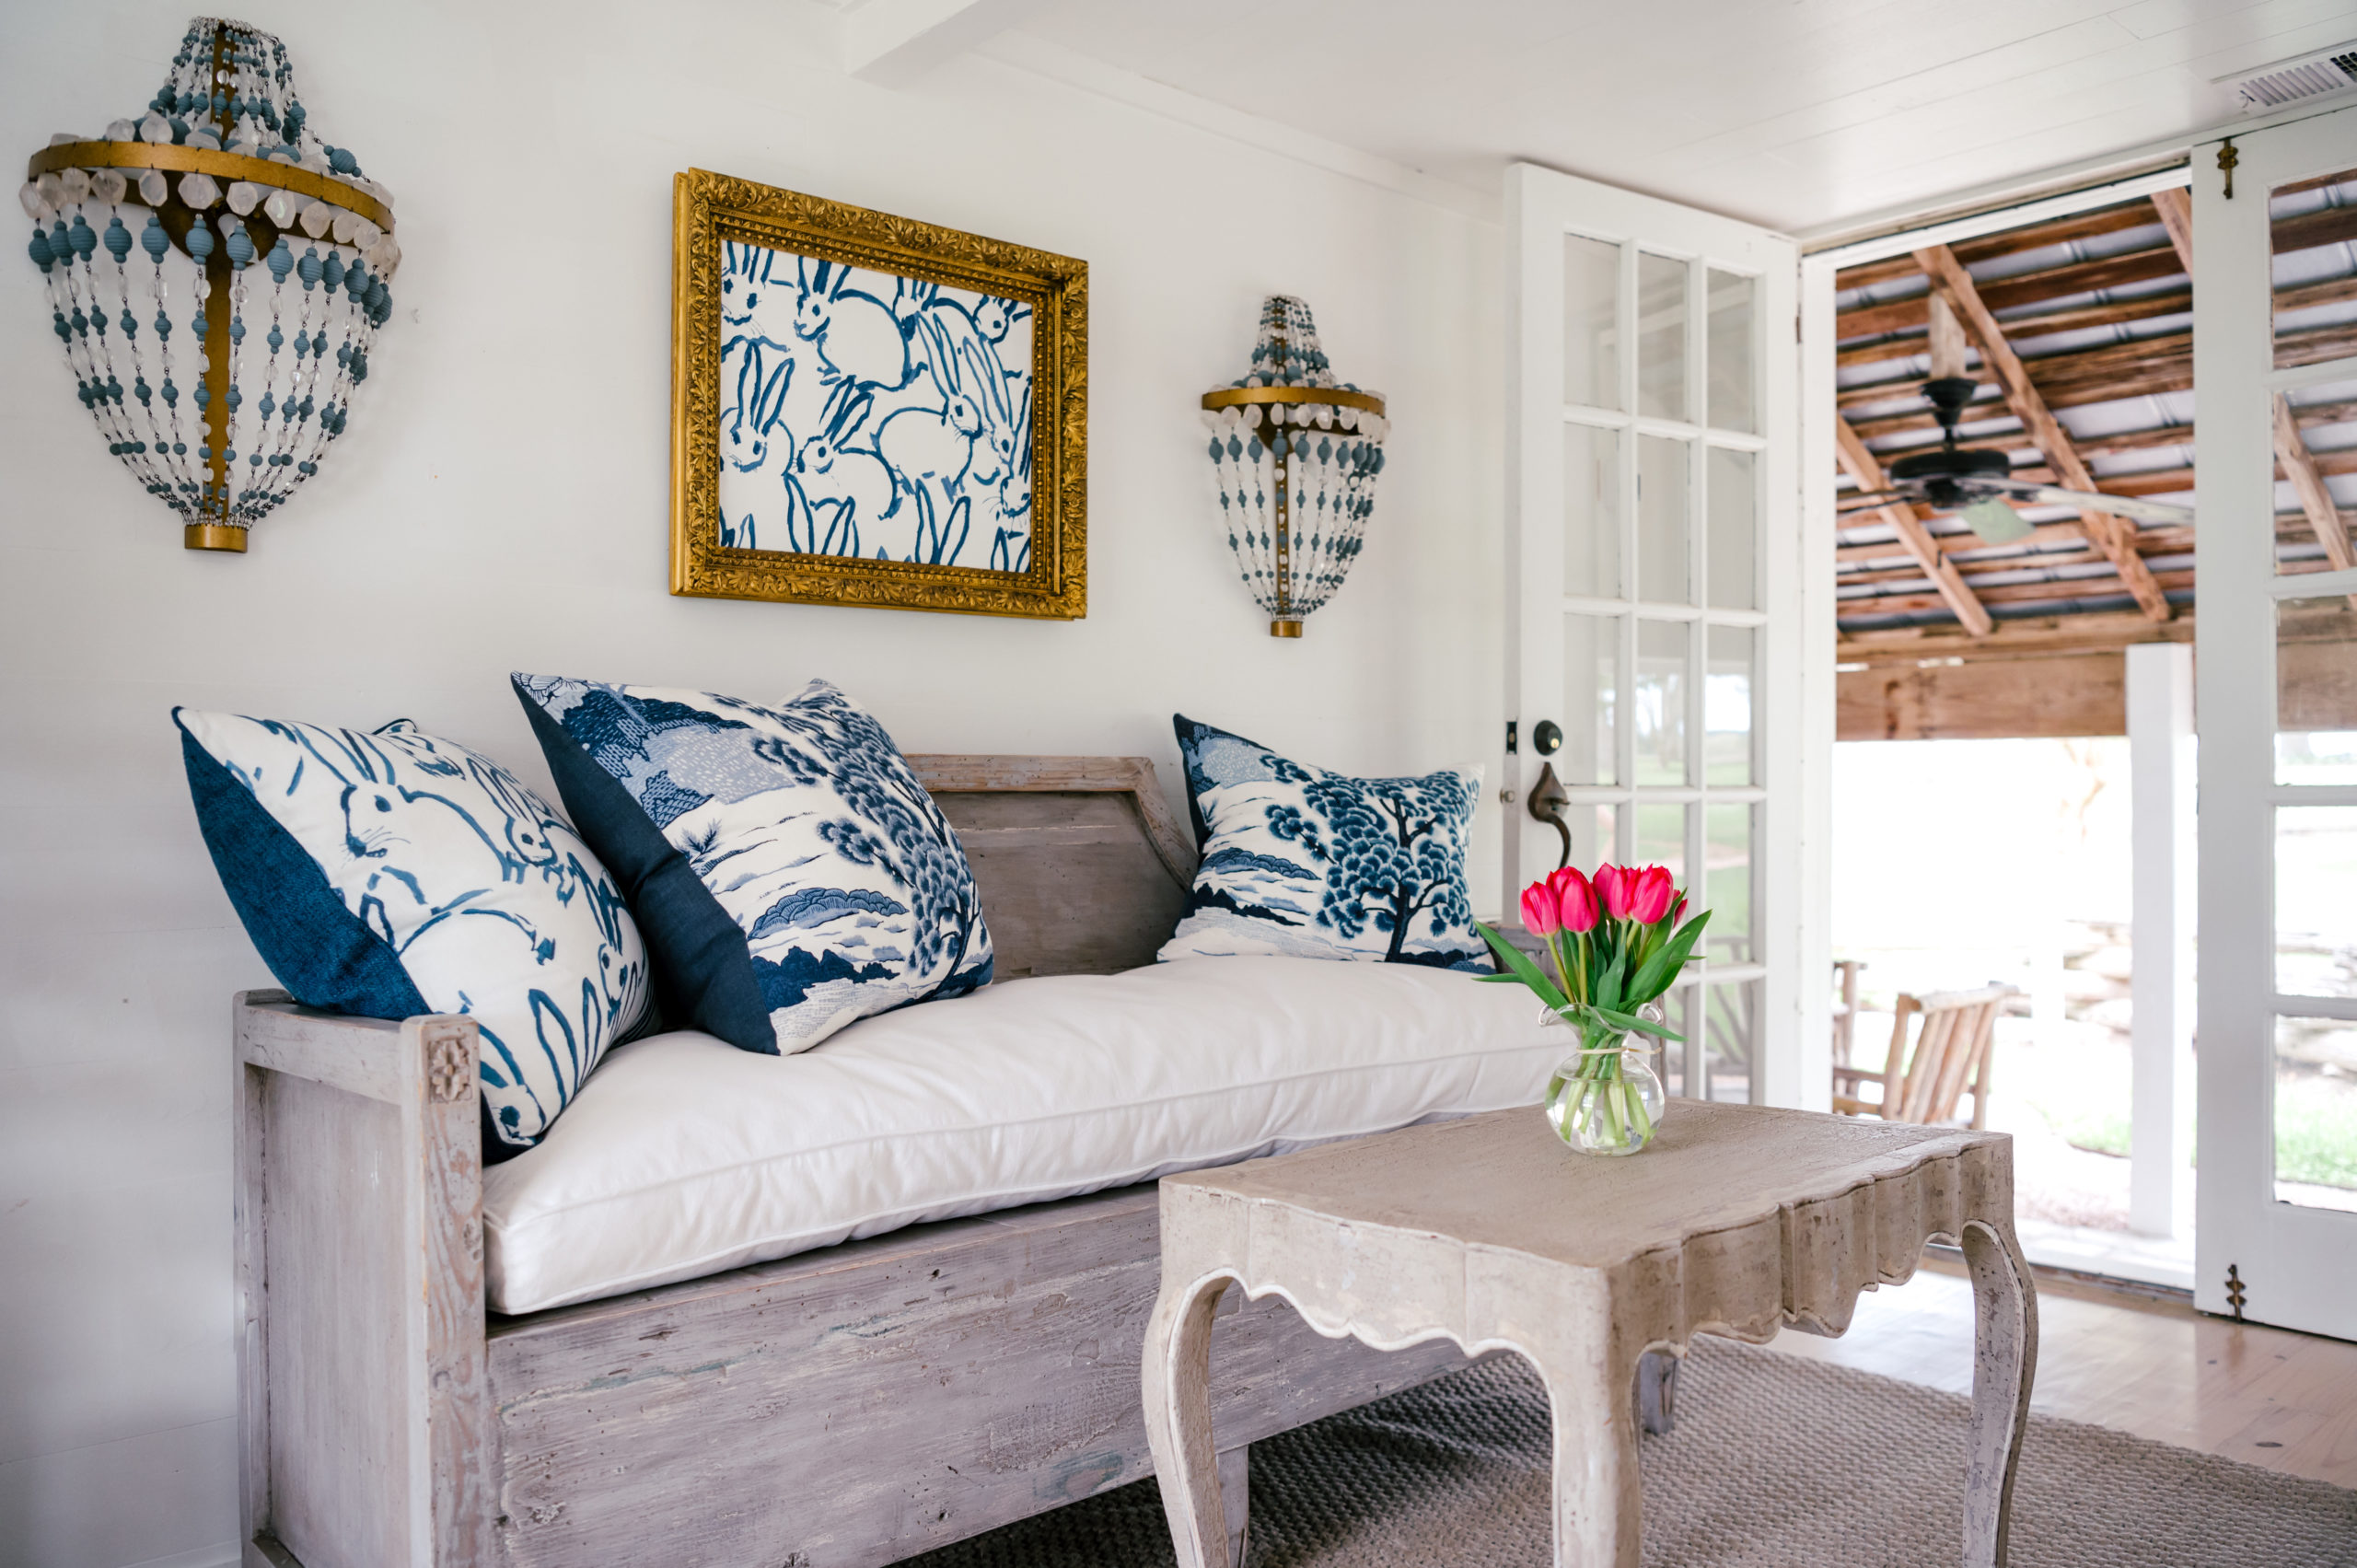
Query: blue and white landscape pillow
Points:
[392, 874]
[1301, 861]
[789, 869]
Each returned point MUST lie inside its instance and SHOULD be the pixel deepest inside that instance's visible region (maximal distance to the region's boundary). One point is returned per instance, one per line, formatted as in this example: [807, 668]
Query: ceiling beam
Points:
[1907, 524]
[2104, 375]
[2073, 318]
[2106, 586]
[2131, 214]
[2325, 226]
[2109, 533]
[2013, 638]
[2316, 498]
[2176, 207]
[894, 43]
[1970, 547]
[2024, 288]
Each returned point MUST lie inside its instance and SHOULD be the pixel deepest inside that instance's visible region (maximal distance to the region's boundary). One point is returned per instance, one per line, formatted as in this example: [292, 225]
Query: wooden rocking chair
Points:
[1952, 1053]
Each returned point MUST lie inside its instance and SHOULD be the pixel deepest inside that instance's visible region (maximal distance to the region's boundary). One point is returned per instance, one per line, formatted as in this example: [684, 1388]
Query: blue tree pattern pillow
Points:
[1303, 861]
[393, 874]
[790, 871]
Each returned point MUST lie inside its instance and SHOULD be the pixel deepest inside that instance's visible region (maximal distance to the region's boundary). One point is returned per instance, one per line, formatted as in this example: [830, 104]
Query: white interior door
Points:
[1651, 567]
[2275, 361]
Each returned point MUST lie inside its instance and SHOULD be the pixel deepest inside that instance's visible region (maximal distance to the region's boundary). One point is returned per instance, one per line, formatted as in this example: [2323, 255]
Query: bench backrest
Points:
[1081, 864]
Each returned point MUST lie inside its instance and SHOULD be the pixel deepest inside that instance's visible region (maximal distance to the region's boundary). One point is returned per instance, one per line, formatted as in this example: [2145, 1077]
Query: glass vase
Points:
[1605, 1098]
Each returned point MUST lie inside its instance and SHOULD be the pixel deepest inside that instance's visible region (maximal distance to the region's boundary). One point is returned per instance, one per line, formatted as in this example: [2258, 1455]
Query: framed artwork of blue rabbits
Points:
[870, 410]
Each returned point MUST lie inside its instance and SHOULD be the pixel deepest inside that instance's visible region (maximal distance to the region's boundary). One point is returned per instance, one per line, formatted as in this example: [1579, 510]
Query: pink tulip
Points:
[1538, 910]
[1616, 888]
[1677, 911]
[1650, 899]
[1574, 901]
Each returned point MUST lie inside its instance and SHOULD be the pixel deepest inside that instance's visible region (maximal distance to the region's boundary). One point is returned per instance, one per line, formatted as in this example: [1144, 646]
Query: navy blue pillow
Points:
[1305, 863]
[390, 874]
[789, 869]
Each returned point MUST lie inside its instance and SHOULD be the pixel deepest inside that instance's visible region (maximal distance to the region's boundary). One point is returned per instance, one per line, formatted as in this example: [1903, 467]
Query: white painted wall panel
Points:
[500, 503]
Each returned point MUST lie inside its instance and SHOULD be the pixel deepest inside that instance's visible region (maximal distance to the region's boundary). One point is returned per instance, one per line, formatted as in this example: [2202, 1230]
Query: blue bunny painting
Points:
[871, 414]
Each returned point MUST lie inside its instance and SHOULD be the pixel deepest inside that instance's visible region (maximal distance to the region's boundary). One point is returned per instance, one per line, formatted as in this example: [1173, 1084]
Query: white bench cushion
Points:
[682, 1156]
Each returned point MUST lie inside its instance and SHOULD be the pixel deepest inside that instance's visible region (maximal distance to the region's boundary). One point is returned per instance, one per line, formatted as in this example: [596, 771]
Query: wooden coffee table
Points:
[1487, 1231]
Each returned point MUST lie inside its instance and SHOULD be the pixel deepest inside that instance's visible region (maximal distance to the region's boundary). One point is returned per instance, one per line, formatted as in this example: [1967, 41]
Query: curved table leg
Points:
[1597, 1490]
[1179, 1420]
[2004, 1346]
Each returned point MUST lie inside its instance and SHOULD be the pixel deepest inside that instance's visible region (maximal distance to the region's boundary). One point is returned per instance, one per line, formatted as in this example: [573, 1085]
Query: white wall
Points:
[500, 503]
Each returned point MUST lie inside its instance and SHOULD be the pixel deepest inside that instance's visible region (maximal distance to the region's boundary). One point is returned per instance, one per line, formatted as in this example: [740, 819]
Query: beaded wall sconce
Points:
[1294, 455]
[216, 273]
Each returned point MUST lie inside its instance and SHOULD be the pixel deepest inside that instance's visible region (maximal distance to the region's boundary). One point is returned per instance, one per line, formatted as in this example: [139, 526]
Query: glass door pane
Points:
[1591, 322]
[1664, 520]
[1730, 1029]
[2315, 429]
[1733, 487]
[2316, 911]
[1591, 707]
[1591, 511]
[1726, 882]
[1661, 701]
[2316, 693]
[1661, 838]
[2312, 223]
[1662, 313]
[1727, 706]
[1733, 395]
[2315, 1112]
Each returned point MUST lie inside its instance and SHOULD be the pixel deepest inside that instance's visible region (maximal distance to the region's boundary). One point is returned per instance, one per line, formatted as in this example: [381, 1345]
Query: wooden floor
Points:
[2154, 1367]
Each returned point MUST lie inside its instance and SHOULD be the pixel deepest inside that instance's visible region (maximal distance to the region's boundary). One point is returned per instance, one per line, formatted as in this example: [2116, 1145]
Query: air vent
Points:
[2290, 81]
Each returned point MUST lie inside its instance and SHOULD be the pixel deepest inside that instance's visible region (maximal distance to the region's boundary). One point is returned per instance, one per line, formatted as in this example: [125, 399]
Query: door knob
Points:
[1548, 798]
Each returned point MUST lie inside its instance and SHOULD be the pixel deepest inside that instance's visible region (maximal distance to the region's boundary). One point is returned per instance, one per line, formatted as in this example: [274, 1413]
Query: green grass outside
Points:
[2315, 1132]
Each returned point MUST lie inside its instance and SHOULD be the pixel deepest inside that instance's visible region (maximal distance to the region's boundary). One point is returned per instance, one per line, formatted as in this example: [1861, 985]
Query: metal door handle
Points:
[1548, 798]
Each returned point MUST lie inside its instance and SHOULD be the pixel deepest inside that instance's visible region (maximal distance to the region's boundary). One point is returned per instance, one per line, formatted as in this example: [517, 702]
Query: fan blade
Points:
[2094, 500]
[1851, 501]
[1995, 522]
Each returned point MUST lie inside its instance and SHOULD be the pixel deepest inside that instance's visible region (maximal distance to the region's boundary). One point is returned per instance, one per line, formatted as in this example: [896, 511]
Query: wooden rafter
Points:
[2112, 534]
[2326, 225]
[2036, 548]
[2028, 634]
[2131, 214]
[2176, 207]
[2299, 464]
[2307, 482]
[2054, 283]
[2070, 319]
[2106, 586]
[1904, 519]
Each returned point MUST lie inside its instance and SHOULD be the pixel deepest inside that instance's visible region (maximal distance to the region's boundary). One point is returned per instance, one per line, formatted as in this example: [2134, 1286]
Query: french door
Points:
[1652, 560]
[2275, 359]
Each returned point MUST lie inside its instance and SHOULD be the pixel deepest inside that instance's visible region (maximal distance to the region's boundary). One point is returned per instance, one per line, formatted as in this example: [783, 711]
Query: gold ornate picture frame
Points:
[866, 410]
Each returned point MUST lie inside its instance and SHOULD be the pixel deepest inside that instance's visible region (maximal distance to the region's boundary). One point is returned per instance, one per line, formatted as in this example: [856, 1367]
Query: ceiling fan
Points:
[1977, 482]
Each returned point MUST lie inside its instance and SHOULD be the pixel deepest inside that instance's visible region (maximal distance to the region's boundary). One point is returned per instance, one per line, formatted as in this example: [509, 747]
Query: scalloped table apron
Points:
[1739, 1220]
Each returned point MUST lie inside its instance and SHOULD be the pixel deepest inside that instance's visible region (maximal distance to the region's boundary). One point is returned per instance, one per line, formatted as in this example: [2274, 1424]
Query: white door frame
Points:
[2296, 1264]
[1818, 270]
[1543, 206]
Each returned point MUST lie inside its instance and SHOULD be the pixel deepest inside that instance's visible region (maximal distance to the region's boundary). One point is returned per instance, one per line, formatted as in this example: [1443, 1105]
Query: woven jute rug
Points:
[1777, 1462]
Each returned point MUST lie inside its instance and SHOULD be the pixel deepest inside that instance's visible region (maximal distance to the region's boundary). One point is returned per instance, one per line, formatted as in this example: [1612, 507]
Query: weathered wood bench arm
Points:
[363, 1400]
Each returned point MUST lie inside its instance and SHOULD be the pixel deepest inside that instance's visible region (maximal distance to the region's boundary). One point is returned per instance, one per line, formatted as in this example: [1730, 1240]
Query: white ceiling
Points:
[1795, 114]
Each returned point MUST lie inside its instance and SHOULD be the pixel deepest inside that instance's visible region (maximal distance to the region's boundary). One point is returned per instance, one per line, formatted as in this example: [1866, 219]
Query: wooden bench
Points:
[841, 1408]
